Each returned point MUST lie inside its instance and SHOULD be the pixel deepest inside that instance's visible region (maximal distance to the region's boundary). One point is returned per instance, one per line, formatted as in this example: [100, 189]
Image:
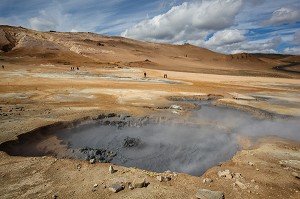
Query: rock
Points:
[139, 183]
[251, 163]
[54, 196]
[111, 169]
[131, 142]
[92, 161]
[240, 185]
[253, 180]
[95, 185]
[296, 175]
[228, 176]
[208, 194]
[159, 178]
[163, 178]
[116, 188]
[207, 180]
[130, 186]
[237, 175]
[223, 173]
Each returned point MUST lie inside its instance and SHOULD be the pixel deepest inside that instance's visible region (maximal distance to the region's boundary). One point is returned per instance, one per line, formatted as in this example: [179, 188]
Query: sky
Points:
[225, 26]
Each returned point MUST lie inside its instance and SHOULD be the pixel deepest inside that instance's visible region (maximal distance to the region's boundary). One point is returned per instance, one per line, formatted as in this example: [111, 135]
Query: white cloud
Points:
[284, 15]
[297, 37]
[188, 21]
[292, 51]
[226, 37]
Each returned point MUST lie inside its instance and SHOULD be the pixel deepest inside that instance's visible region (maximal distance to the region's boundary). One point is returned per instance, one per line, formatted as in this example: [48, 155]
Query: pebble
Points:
[116, 188]
[130, 186]
[253, 180]
[111, 169]
[251, 163]
[238, 175]
[207, 180]
[205, 194]
[92, 161]
[95, 185]
[163, 178]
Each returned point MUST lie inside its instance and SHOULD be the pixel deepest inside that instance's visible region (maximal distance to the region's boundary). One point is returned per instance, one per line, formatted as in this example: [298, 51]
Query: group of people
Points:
[145, 75]
[73, 68]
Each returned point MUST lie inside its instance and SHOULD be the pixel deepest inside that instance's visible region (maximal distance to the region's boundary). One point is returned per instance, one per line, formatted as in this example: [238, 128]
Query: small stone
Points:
[240, 185]
[207, 180]
[139, 183]
[251, 163]
[111, 169]
[163, 178]
[54, 196]
[159, 178]
[130, 186]
[116, 188]
[256, 187]
[296, 175]
[253, 180]
[168, 172]
[238, 175]
[223, 173]
[95, 185]
[257, 169]
[205, 194]
[92, 161]
[228, 176]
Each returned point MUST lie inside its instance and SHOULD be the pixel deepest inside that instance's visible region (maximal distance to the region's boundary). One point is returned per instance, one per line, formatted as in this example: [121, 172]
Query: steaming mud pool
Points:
[149, 143]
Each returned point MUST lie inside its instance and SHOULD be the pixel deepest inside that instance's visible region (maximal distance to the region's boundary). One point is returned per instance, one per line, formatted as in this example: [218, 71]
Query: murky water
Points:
[191, 147]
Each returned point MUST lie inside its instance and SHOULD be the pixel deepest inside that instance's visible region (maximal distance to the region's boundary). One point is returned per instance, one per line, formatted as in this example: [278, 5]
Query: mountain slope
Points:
[98, 50]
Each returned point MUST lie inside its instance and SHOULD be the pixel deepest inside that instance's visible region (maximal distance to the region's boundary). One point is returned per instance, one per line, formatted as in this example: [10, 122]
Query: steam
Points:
[189, 149]
[159, 147]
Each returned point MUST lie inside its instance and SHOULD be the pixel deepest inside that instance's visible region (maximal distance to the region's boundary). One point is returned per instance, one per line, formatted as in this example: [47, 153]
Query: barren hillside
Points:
[92, 49]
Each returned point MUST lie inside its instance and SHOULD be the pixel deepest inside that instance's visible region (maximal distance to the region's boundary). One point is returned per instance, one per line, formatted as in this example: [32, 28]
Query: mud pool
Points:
[158, 144]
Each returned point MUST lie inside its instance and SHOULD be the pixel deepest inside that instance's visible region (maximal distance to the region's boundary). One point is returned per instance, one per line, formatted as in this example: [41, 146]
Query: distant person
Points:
[77, 68]
[145, 75]
[2, 66]
[165, 76]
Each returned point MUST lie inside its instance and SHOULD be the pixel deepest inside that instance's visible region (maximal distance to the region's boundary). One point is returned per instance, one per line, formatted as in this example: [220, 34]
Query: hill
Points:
[30, 46]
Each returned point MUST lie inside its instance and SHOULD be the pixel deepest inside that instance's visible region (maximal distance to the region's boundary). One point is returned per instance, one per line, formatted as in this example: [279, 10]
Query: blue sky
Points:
[226, 26]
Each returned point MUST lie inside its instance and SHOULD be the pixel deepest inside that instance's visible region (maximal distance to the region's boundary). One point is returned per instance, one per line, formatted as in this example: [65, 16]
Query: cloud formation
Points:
[226, 37]
[225, 26]
[284, 15]
[187, 21]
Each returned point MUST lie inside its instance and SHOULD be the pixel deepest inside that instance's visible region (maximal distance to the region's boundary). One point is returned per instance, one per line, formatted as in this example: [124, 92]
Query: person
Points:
[165, 76]
[145, 74]
[2, 66]
[77, 68]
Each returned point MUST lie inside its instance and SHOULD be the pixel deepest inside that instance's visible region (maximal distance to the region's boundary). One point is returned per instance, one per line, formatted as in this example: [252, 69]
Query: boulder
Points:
[139, 183]
[208, 194]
